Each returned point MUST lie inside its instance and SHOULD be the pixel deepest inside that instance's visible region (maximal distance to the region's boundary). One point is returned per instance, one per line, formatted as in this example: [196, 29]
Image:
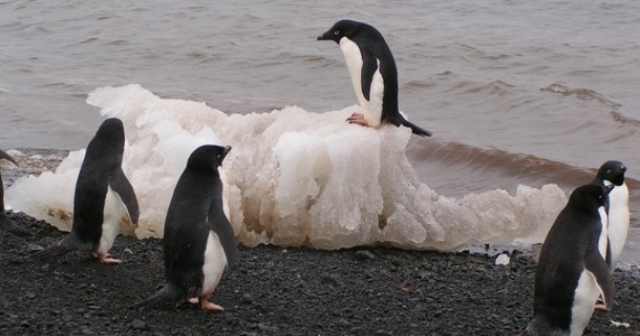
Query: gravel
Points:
[277, 291]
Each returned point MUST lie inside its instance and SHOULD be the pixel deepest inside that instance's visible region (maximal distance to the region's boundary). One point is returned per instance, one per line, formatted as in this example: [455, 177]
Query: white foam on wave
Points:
[293, 178]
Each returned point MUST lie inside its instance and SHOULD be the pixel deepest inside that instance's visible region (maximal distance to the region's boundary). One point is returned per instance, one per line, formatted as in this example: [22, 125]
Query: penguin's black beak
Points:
[327, 36]
[227, 149]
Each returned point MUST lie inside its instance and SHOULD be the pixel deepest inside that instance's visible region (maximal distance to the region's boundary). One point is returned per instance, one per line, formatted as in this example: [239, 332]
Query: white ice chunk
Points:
[503, 259]
[293, 178]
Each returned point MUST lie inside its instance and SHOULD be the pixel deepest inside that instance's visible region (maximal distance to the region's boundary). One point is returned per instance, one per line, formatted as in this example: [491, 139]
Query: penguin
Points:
[616, 208]
[571, 272]
[6, 224]
[102, 196]
[199, 242]
[373, 74]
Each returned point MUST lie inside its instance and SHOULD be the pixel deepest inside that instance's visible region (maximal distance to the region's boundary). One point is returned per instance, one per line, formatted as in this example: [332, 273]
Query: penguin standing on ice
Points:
[103, 195]
[373, 74]
[199, 242]
[7, 224]
[616, 208]
[571, 272]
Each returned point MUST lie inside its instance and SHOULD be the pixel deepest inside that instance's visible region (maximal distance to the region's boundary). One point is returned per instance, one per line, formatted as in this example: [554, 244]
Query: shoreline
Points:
[281, 291]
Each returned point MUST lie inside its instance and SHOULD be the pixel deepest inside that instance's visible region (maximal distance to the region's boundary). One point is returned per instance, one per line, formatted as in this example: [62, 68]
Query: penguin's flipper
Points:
[120, 184]
[222, 227]
[167, 293]
[8, 225]
[595, 264]
[369, 67]
[4, 155]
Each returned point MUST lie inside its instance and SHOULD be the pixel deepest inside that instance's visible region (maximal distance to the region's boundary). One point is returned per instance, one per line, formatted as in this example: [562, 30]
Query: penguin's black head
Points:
[112, 129]
[612, 171]
[590, 197]
[345, 28]
[208, 157]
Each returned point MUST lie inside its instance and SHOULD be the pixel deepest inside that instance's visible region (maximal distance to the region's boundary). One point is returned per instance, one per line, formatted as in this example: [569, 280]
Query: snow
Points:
[293, 178]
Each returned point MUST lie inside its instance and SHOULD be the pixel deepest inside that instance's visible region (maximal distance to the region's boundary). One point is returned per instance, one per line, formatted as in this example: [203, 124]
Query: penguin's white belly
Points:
[113, 210]
[603, 240]
[584, 302]
[215, 262]
[618, 221]
[372, 108]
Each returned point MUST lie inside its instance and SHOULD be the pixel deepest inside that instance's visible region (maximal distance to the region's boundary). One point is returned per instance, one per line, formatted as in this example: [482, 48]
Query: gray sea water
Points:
[516, 92]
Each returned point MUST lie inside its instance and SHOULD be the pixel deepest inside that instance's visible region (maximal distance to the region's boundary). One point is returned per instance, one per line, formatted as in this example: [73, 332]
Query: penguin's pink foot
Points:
[205, 304]
[193, 300]
[600, 305]
[357, 118]
[106, 259]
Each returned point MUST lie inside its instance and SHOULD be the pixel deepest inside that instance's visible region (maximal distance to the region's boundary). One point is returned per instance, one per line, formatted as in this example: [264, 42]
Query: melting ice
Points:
[293, 178]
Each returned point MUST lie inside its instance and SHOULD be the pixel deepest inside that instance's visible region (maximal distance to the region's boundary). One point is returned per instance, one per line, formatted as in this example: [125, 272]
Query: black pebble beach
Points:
[281, 291]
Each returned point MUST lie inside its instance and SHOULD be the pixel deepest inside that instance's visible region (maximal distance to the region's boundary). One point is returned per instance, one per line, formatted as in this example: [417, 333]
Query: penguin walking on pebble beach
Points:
[7, 224]
[199, 242]
[103, 198]
[571, 271]
[373, 74]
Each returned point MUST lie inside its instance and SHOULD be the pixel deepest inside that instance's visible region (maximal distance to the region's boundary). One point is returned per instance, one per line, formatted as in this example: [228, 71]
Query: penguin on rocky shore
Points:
[571, 272]
[199, 242]
[6, 224]
[103, 198]
[616, 208]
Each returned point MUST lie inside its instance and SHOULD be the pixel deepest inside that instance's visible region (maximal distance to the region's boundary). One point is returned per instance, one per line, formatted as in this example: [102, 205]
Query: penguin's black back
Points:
[371, 43]
[370, 40]
[196, 197]
[103, 158]
[575, 231]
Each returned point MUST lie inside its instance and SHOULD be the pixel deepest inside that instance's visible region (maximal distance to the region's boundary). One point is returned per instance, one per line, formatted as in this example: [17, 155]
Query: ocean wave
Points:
[296, 178]
[514, 166]
[588, 94]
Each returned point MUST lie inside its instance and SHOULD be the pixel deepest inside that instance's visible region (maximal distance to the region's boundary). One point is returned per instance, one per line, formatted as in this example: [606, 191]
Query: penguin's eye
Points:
[337, 32]
[608, 170]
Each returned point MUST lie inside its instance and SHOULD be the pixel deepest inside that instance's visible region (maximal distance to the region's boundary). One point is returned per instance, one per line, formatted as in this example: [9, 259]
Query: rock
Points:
[138, 324]
[247, 298]
[330, 279]
[264, 327]
[365, 255]
[34, 247]
[343, 323]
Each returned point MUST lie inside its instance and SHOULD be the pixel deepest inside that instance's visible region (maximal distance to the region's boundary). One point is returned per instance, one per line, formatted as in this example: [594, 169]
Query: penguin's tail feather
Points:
[415, 129]
[8, 225]
[63, 247]
[167, 294]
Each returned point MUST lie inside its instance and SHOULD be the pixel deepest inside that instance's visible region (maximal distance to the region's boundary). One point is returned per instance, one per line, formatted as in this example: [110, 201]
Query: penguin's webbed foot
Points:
[193, 300]
[106, 259]
[207, 305]
[600, 305]
[357, 118]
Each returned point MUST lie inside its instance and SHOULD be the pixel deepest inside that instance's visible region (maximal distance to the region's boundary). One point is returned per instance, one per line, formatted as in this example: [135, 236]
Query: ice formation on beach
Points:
[293, 178]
